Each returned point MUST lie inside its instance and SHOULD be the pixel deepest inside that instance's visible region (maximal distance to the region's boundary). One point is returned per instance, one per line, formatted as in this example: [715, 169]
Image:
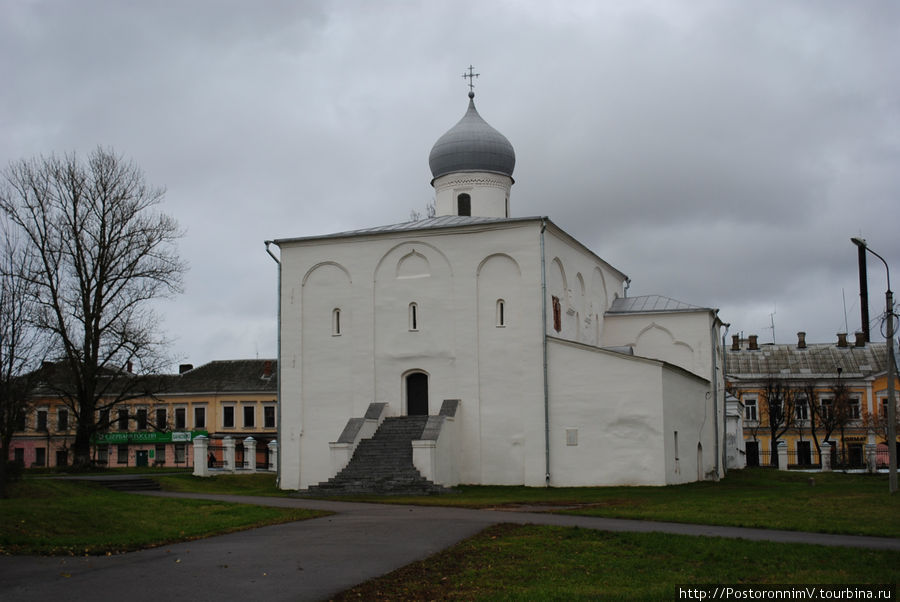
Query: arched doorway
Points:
[417, 394]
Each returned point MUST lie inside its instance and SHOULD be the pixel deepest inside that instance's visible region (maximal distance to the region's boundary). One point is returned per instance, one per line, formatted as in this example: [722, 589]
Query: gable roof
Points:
[227, 376]
[432, 223]
[651, 304]
[820, 360]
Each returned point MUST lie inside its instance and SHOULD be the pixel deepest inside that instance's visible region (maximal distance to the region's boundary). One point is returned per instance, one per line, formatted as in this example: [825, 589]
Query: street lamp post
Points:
[891, 367]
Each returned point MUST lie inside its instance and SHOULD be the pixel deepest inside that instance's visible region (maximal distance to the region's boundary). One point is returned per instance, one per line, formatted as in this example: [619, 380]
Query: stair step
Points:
[383, 463]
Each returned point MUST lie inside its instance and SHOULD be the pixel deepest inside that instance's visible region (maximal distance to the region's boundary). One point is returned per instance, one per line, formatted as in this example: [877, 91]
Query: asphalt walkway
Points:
[313, 559]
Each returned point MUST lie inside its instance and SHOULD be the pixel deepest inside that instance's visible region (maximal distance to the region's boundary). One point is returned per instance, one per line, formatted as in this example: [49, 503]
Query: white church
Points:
[514, 342]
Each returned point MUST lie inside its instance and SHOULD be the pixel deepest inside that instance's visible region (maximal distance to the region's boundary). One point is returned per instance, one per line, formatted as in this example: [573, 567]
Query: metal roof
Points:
[816, 360]
[433, 223]
[650, 304]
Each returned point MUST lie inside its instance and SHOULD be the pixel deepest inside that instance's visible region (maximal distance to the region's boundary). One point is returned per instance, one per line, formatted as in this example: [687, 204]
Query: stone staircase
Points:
[383, 464]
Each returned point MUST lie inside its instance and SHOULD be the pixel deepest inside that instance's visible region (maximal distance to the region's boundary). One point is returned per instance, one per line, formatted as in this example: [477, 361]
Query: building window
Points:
[180, 418]
[413, 317]
[802, 409]
[19, 456]
[102, 454]
[161, 419]
[20, 420]
[40, 456]
[141, 420]
[199, 418]
[501, 313]
[62, 457]
[41, 421]
[122, 454]
[464, 205]
[104, 421]
[854, 409]
[269, 417]
[336, 322]
[884, 408]
[827, 409]
[557, 314]
[62, 419]
[249, 416]
[123, 420]
[179, 453]
[228, 417]
[160, 455]
[750, 410]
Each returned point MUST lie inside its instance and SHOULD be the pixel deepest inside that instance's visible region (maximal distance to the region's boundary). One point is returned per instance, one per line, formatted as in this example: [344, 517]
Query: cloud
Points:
[717, 152]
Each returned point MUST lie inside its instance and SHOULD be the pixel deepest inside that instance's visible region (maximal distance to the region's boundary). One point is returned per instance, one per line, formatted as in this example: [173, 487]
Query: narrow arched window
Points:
[501, 313]
[413, 316]
[464, 204]
[336, 322]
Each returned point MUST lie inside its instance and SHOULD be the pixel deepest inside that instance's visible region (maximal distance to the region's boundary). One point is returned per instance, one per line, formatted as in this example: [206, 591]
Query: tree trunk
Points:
[81, 448]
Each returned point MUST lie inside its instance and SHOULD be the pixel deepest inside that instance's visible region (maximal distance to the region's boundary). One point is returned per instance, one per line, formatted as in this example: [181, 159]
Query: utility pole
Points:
[891, 366]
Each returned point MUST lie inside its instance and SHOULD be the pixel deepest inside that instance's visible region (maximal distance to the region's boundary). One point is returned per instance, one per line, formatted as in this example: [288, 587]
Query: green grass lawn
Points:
[514, 562]
[58, 517]
[236, 484]
[838, 503]
[510, 562]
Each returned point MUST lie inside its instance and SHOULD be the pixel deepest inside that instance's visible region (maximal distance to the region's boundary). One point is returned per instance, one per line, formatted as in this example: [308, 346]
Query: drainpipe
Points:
[278, 367]
[724, 393]
[544, 336]
[715, 389]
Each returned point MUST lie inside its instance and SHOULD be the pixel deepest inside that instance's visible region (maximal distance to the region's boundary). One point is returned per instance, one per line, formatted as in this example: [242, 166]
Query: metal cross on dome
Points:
[471, 75]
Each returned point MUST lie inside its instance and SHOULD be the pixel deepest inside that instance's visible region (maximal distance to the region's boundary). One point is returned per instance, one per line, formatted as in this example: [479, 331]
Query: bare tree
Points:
[104, 253]
[840, 413]
[809, 391]
[22, 346]
[777, 406]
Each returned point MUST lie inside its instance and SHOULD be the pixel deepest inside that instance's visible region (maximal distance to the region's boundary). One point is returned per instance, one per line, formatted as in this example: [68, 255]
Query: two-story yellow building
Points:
[234, 398]
[813, 398]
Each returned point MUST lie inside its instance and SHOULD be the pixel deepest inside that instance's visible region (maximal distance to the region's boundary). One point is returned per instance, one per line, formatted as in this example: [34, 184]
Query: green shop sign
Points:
[147, 437]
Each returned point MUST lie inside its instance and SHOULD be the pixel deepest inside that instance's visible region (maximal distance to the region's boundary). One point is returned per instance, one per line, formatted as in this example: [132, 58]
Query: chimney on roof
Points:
[735, 342]
[801, 340]
[860, 339]
[753, 345]
[267, 369]
[842, 339]
[182, 368]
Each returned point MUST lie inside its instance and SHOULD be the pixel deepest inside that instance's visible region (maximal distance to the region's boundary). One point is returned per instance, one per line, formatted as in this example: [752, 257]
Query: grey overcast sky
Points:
[718, 152]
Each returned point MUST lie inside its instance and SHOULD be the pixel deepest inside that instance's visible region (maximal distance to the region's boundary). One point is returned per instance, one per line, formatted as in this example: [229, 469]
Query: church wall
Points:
[685, 340]
[455, 281]
[679, 338]
[606, 420]
[501, 420]
[687, 411]
[584, 286]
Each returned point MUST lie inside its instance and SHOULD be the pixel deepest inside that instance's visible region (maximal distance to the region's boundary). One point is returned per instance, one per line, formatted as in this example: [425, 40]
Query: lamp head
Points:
[859, 242]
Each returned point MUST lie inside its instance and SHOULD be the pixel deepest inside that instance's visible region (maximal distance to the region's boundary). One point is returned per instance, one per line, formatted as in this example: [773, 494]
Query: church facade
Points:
[515, 339]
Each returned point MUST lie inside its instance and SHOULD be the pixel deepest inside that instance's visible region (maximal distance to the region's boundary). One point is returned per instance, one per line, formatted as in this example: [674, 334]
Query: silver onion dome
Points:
[472, 145]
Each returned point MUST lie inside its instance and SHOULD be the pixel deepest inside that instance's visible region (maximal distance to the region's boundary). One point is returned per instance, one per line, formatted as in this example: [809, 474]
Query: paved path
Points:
[313, 559]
